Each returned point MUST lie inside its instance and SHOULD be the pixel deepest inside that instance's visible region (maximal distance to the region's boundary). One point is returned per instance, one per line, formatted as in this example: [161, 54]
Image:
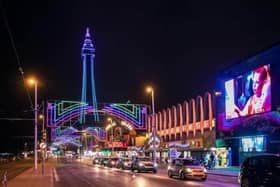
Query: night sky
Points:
[178, 47]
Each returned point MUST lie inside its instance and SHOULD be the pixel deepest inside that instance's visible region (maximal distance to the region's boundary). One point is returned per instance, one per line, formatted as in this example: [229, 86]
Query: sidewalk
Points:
[226, 171]
[32, 178]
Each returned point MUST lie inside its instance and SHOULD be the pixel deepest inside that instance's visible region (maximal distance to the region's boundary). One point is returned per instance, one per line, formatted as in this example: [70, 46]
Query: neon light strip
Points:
[138, 120]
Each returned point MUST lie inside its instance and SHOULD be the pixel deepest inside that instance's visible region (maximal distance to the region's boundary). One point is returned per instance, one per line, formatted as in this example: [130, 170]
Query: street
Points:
[76, 174]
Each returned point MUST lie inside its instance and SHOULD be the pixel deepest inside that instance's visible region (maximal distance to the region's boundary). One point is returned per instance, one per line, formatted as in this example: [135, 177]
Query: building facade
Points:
[248, 113]
[188, 127]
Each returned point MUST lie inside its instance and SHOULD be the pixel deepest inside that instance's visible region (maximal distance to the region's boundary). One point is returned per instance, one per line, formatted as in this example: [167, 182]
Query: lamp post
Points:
[43, 149]
[34, 82]
[151, 90]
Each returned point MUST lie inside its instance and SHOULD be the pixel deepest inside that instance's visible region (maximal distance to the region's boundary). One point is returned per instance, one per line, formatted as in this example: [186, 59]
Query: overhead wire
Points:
[20, 69]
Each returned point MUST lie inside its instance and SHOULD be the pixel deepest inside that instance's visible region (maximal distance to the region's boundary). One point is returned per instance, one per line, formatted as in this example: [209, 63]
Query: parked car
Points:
[112, 162]
[96, 161]
[260, 170]
[143, 164]
[187, 168]
[104, 161]
[124, 163]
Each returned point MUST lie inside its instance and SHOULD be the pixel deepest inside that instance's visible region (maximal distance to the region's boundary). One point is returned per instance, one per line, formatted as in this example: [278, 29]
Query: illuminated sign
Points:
[248, 94]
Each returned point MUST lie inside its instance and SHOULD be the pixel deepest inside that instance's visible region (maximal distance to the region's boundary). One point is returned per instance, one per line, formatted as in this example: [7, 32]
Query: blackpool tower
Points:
[88, 88]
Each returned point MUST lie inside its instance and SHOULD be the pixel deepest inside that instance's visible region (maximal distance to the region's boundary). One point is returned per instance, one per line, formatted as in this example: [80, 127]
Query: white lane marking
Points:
[55, 175]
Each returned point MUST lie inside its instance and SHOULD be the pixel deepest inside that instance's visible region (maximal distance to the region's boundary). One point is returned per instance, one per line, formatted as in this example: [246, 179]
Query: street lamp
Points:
[35, 83]
[150, 89]
[43, 144]
[112, 133]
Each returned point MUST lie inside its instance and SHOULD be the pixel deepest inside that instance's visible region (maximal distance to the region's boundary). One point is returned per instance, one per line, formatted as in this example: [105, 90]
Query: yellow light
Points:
[109, 119]
[41, 116]
[32, 81]
[149, 89]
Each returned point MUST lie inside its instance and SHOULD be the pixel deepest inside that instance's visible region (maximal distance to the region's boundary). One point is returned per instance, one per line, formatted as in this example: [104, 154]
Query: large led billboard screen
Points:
[249, 93]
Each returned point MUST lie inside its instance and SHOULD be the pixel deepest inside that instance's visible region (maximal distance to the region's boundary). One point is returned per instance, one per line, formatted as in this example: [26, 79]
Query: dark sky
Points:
[178, 47]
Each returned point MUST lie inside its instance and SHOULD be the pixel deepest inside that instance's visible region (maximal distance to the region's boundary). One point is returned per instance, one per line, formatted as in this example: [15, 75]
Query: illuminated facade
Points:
[248, 117]
[190, 125]
[88, 82]
[63, 115]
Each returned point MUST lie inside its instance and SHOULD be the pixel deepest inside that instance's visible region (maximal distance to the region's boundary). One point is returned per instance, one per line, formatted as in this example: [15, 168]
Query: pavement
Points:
[35, 178]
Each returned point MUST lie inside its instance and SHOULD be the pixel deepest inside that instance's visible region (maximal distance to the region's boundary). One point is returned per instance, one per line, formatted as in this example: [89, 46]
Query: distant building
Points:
[188, 127]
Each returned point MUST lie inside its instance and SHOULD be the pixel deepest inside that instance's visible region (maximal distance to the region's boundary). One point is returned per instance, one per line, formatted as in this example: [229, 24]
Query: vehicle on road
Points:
[124, 163]
[104, 161]
[143, 164]
[260, 170]
[96, 161]
[187, 168]
[112, 162]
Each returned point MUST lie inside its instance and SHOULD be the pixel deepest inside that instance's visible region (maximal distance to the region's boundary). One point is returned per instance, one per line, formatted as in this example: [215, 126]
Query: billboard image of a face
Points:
[249, 93]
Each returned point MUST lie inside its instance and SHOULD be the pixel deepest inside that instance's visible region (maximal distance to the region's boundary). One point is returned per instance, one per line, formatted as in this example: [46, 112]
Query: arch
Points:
[160, 121]
[179, 115]
[173, 117]
[192, 114]
[164, 120]
[187, 117]
[200, 112]
[209, 97]
[156, 121]
[168, 118]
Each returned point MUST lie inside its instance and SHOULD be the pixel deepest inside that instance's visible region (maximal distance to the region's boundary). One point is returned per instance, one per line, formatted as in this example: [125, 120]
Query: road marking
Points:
[55, 175]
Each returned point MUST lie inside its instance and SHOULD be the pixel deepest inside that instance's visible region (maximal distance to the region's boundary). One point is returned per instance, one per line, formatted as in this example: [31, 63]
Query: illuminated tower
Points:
[88, 89]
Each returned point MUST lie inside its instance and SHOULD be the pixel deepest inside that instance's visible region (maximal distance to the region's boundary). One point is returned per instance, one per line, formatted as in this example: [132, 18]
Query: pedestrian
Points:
[166, 160]
[212, 159]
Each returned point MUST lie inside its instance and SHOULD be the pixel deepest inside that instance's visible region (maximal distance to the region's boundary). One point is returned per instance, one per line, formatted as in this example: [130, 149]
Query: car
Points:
[124, 163]
[186, 168]
[112, 162]
[96, 161]
[260, 170]
[104, 161]
[140, 164]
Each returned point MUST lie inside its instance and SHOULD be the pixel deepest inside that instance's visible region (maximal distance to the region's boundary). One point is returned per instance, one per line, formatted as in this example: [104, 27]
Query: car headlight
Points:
[205, 170]
[96, 161]
[125, 163]
[155, 165]
[189, 170]
[141, 164]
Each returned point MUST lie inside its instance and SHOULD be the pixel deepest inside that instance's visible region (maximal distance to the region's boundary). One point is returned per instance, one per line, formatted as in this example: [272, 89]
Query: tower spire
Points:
[88, 82]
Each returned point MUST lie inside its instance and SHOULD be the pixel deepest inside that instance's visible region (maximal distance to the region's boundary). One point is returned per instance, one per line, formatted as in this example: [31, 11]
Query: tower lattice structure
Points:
[88, 81]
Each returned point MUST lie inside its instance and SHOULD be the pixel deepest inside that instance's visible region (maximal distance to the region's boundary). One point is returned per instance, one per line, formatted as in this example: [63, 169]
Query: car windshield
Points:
[191, 162]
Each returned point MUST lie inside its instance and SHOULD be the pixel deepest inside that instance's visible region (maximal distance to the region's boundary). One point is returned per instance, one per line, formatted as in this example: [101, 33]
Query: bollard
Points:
[4, 181]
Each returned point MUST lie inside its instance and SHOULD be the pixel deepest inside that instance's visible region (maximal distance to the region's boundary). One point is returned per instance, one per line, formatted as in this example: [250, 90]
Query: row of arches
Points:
[190, 116]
